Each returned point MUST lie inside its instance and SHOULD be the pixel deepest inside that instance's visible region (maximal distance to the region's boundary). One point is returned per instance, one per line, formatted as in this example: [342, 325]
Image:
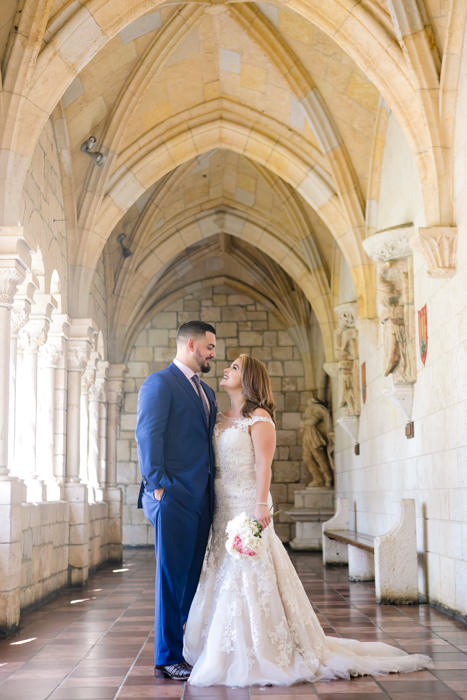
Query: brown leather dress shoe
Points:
[176, 672]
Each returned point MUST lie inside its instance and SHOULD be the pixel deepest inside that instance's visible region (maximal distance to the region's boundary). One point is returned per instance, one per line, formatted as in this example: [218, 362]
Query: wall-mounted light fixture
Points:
[86, 147]
[126, 252]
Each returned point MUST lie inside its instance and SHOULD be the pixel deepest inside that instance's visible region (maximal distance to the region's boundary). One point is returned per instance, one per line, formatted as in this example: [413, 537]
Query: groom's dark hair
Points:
[193, 329]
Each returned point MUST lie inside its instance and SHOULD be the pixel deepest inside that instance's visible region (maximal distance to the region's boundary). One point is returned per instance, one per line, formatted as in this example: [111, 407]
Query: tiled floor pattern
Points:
[95, 643]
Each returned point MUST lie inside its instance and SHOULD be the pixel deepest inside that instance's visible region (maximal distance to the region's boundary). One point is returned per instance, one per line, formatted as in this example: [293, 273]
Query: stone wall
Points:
[45, 537]
[432, 467]
[45, 546]
[242, 325]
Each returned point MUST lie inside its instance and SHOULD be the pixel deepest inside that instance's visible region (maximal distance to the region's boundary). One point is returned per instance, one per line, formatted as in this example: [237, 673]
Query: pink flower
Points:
[238, 544]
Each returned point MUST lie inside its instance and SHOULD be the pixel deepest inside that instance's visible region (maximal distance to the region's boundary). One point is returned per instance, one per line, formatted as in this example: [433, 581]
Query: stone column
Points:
[96, 400]
[30, 338]
[20, 313]
[13, 266]
[87, 381]
[49, 358]
[76, 493]
[101, 380]
[392, 252]
[77, 353]
[58, 336]
[113, 493]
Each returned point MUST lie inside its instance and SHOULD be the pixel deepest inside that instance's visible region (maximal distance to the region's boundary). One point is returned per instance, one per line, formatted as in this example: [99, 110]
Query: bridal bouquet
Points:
[244, 537]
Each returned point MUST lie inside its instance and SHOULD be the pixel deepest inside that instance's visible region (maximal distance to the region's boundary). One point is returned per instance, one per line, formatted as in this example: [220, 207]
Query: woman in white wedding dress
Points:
[251, 621]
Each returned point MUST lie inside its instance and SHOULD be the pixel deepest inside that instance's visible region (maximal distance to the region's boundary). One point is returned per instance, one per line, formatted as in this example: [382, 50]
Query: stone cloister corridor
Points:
[294, 173]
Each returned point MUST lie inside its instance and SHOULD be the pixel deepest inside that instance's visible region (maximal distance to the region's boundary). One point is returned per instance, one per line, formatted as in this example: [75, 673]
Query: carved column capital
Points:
[438, 245]
[50, 353]
[87, 379]
[77, 355]
[22, 304]
[20, 312]
[391, 244]
[10, 278]
[15, 260]
[33, 335]
[81, 333]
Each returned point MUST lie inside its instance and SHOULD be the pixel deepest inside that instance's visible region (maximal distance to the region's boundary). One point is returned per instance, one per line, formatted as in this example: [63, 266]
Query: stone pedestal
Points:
[312, 507]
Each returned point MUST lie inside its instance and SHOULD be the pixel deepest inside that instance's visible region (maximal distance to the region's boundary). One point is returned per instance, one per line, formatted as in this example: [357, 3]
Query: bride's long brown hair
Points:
[256, 387]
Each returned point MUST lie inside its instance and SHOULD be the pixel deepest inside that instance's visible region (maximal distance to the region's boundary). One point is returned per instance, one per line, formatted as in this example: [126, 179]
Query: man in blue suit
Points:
[176, 416]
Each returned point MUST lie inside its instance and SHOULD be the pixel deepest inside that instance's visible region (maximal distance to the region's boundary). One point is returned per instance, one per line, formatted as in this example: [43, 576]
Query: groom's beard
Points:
[204, 365]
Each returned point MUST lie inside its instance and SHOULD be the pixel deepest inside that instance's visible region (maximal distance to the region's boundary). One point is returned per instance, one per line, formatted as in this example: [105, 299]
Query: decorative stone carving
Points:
[438, 245]
[346, 348]
[87, 379]
[81, 336]
[10, 278]
[396, 313]
[50, 353]
[32, 336]
[390, 244]
[317, 444]
[20, 312]
[391, 250]
[346, 315]
[22, 304]
[77, 355]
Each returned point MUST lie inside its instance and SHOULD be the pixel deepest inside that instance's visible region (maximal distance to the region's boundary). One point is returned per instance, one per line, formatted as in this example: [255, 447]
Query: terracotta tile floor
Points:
[96, 642]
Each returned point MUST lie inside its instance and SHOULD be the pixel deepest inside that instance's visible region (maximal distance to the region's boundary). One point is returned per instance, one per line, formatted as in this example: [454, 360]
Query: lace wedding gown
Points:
[251, 621]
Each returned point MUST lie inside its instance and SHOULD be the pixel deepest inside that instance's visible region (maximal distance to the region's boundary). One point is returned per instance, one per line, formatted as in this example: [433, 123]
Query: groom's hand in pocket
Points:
[158, 494]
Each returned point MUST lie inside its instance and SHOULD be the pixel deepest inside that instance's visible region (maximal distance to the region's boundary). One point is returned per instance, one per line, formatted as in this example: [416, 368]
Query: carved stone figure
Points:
[348, 371]
[396, 315]
[316, 430]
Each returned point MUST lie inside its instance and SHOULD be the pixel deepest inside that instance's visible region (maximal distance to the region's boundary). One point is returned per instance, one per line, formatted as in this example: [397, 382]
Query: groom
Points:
[176, 416]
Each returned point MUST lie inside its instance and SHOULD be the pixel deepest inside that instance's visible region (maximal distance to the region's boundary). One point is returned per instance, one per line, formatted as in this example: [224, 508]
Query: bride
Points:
[251, 621]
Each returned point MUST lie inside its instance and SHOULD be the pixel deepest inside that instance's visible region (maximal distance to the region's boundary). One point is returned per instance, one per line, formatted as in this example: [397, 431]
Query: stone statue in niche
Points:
[348, 373]
[317, 444]
[396, 316]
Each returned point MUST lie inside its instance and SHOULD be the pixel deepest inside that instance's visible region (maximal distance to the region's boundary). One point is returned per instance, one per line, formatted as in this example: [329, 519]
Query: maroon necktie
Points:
[197, 382]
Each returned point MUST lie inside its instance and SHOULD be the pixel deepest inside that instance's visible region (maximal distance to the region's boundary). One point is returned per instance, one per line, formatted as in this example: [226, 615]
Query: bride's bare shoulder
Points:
[260, 412]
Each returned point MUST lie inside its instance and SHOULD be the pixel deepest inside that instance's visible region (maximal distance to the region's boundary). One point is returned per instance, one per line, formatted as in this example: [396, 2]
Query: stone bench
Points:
[390, 559]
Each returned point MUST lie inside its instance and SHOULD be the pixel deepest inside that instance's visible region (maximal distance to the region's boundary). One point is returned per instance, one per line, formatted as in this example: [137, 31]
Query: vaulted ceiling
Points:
[259, 121]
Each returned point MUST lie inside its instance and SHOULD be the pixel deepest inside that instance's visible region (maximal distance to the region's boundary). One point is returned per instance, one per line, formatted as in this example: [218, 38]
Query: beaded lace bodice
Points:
[235, 482]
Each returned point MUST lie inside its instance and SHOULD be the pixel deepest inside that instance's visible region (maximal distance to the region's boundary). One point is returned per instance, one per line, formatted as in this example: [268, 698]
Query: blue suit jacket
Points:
[174, 439]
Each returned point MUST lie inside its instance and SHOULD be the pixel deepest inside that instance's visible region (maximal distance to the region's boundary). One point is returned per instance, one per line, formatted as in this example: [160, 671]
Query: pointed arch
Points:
[185, 231]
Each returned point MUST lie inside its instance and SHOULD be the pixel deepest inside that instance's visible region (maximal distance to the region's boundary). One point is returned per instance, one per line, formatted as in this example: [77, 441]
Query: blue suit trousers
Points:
[181, 535]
